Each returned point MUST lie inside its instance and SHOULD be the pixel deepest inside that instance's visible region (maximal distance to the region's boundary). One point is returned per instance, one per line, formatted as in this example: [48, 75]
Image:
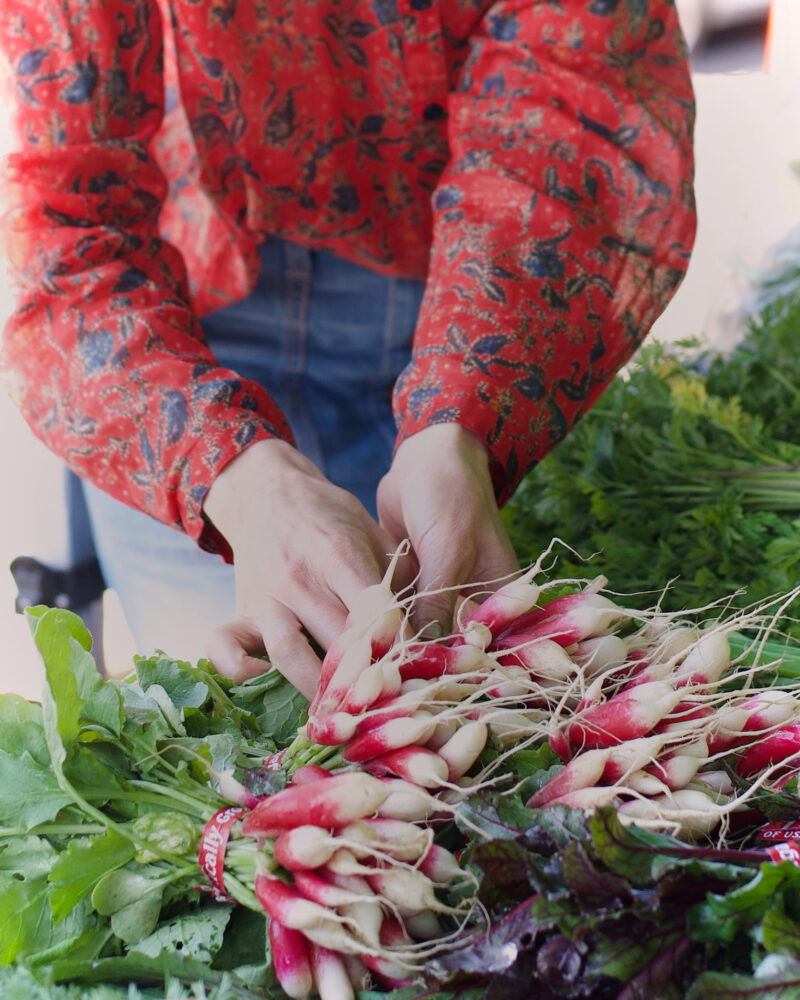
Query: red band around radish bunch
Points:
[213, 844]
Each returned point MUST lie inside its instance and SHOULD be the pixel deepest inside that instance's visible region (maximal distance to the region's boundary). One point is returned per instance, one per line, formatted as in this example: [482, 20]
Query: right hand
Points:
[303, 551]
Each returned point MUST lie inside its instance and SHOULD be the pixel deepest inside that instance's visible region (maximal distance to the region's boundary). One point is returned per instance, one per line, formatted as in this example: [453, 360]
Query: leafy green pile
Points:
[104, 790]
[686, 470]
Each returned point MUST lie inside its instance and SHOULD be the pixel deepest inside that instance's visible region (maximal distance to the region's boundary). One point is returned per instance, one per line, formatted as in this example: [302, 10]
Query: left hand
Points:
[438, 493]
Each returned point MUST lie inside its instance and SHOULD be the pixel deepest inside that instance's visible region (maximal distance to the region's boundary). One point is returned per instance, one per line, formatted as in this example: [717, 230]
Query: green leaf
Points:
[280, 709]
[780, 933]
[30, 792]
[777, 978]
[245, 947]
[140, 969]
[196, 935]
[132, 900]
[22, 729]
[26, 922]
[624, 956]
[82, 865]
[72, 677]
[175, 678]
[29, 858]
[748, 904]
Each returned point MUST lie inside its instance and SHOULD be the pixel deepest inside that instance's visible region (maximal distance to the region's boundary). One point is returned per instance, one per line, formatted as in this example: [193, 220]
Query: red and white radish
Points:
[291, 960]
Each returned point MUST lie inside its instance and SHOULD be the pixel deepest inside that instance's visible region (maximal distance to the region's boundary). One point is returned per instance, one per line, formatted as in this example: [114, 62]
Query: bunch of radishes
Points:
[664, 724]
[356, 889]
[639, 706]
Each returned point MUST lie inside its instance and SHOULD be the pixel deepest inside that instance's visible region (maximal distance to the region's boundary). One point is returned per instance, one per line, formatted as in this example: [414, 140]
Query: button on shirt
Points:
[530, 160]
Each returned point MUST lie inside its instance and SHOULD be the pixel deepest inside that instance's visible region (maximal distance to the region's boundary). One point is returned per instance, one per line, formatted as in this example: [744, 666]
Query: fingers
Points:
[288, 647]
[235, 650]
[439, 494]
[236, 647]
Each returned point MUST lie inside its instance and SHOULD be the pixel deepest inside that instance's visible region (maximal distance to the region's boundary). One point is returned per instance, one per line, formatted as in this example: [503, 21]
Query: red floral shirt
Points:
[531, 159]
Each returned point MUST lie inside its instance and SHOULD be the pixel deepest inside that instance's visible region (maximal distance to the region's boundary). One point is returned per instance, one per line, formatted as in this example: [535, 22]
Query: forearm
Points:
[110, 365]
[563, 224]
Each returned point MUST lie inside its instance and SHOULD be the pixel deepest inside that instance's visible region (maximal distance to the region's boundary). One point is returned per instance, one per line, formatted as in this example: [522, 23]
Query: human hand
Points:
[303, 551]
[438, 494]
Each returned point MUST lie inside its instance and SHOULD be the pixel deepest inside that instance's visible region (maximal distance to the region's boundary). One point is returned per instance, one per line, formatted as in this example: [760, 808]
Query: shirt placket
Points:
[423, 51]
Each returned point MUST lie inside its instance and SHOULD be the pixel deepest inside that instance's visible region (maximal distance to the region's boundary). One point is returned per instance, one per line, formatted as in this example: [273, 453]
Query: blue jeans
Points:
[327, 339]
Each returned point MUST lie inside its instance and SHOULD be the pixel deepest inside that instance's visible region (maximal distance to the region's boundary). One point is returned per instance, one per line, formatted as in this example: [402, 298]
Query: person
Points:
[304, 278]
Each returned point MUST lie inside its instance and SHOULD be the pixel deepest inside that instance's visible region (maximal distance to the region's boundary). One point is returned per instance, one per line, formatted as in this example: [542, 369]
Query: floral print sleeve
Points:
[530, 160]
[563, 221]
[111, 367]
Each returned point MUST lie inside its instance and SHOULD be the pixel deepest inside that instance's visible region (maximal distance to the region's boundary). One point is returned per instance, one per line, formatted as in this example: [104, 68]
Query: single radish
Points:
[505, 605]
[718, 781]
[555, 606]
[390, 973]
[600, 654]
[320, 890]
[329, 802]
[780, 745]
[582, 771]
[331, 730]
[509, 682]
[353, 883]
[634, 755]
[678, 769]
[463, 748]
[397, 838]
[432, 660]
[354, 660]
[558, 738]
[406, 800]
[645, 783]
[408, 890]
[392, 735]
[285, 904]
[706, 661]
[651, 670]
[415, 764]
[446, 727]
[358, 837]
[233, 790]
[543, 658]
[440, 865]
[377, 683]
[424, 926]
[364, 691]
[290, 959]
[375, 616]
[691, 810]
[592, 797]
[344, 862]
[627, 716]
[761, 713]
[590, 618]
[400, 706]
[307, 773]
[302, 847]
[365, 916]
[330, 974]
[665, 644]
[509, 726]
